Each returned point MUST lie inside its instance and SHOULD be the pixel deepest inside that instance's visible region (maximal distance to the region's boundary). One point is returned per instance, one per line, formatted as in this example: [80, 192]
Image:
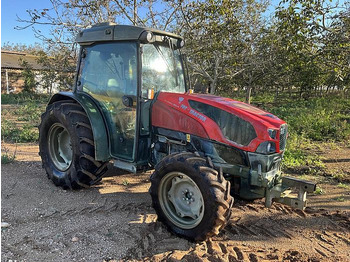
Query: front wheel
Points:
[190, 197]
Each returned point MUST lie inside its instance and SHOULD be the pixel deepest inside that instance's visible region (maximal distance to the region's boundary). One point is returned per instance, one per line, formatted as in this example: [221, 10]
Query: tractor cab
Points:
[122, 68]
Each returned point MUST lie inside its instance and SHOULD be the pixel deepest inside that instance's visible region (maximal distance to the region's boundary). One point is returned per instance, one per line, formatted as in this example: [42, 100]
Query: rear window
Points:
[233, 127]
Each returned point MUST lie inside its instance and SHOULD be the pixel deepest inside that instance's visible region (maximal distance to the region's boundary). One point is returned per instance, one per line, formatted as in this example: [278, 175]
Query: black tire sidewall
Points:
[60, 178]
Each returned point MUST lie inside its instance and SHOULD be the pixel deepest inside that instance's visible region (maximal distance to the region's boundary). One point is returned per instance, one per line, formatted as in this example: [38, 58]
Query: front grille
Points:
[283, 136]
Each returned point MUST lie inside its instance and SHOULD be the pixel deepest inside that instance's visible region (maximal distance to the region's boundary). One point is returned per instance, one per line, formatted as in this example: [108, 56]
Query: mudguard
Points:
[97, 122]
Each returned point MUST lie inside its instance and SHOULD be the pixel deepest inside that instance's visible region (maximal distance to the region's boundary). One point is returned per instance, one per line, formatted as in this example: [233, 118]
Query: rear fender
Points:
[98, 125]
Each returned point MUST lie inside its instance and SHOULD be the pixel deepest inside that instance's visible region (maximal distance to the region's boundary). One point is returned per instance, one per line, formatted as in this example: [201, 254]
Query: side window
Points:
[233, 128]
[108, 72]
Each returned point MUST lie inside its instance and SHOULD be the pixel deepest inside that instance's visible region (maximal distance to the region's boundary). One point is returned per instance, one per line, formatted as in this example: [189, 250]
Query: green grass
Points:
[339, 199]
[6, 157]
[317, 119]
[29, 112]
[125, 182]
[319, 191]
[309, 122]
[341, 185]
[11, 132]
[20, 124]
[23, 97]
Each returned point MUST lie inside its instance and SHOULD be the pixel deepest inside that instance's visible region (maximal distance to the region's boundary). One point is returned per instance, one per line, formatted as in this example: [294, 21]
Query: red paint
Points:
[172, 111]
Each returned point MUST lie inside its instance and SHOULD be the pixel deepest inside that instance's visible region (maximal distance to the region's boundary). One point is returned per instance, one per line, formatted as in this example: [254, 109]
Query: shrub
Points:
[24, 97]
[6, 157]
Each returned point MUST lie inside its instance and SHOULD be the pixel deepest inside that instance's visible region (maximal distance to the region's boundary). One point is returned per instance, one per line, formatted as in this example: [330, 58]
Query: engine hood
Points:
[239, 108]
[174, 111]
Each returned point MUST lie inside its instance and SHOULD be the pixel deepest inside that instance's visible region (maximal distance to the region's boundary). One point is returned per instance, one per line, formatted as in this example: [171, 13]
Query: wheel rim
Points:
[181, 200]
[60, 147]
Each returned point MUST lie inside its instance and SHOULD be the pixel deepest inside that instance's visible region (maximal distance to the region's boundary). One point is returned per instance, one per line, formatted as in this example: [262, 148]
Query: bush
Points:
[6, 157]
[11, 132]
[318, 119]
[24, 97]
[29, 112]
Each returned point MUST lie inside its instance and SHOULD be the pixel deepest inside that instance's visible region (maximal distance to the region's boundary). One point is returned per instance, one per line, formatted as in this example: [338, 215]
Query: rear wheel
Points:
[190, 197]
[67, 148]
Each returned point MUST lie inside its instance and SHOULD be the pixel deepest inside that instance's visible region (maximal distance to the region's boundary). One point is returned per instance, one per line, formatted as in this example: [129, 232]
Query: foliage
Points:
[29, 112]
[59, 69]
[10, 131]
[22, 48]
[221, 39]
[21, 98]
[6, 156]
[345, 186]
[319, 191]
[29, 77]
[20, 125]
[232, 46]
[318, 119]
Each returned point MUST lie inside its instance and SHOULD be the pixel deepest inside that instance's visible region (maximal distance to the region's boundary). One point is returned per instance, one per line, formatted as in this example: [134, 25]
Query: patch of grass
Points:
[125, 182]
[24, 97]
[310, 121]
[6, 156]
[339, 199]
[298, 157]
[29, 112]
[318, 119]
[12, 132]
[319, 191]
[338, 175]
[341, 185]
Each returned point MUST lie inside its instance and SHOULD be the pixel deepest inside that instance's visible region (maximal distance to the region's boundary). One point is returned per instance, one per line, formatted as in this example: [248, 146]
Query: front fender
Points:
[96, 119]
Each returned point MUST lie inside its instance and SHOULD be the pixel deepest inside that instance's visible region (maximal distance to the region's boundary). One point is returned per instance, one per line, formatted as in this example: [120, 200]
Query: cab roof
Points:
[113, 32]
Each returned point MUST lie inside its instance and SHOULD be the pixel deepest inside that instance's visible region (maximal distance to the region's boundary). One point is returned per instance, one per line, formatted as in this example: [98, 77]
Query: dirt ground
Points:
[115, 221]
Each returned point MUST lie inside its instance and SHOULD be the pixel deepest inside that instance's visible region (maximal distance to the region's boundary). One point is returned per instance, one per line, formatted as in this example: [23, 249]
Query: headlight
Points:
[272, 133]
[266, 148]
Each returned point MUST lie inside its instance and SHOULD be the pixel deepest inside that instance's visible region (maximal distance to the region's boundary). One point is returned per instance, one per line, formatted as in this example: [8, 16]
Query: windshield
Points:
[161, 70]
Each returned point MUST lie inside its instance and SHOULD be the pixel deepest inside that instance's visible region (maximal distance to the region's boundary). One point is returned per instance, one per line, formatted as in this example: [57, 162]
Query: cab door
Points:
[108, 72]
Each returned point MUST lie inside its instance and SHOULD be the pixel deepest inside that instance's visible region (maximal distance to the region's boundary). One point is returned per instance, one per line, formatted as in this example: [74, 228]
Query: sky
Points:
[10, 9]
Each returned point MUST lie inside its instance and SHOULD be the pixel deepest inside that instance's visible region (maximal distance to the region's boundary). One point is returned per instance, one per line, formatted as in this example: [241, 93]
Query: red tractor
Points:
[132, 104]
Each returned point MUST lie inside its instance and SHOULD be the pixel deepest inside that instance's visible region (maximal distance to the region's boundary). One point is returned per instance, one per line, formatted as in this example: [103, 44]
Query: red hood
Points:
[238, 108]
[173, 111]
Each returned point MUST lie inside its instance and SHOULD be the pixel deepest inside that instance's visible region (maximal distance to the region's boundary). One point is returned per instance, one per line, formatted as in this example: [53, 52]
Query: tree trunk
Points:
[212, 88]
[249, 89]
[248, 94]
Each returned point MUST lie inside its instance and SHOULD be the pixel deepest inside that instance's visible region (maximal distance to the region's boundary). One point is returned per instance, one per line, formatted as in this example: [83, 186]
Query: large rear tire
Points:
[190, 197]
[66, 146]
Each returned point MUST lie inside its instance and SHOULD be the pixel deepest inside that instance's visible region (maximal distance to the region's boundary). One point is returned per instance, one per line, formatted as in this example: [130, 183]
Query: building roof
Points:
[112, 32]
[12, 60]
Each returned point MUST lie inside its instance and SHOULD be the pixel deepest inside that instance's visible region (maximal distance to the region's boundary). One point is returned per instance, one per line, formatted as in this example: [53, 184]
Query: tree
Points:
[57, 70]
[222, 38]
[301, 38]
[67, 18]
[29, 49]
[28, 75]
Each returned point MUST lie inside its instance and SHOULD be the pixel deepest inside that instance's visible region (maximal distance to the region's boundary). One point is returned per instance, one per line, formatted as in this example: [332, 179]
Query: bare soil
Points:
[115, 221]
